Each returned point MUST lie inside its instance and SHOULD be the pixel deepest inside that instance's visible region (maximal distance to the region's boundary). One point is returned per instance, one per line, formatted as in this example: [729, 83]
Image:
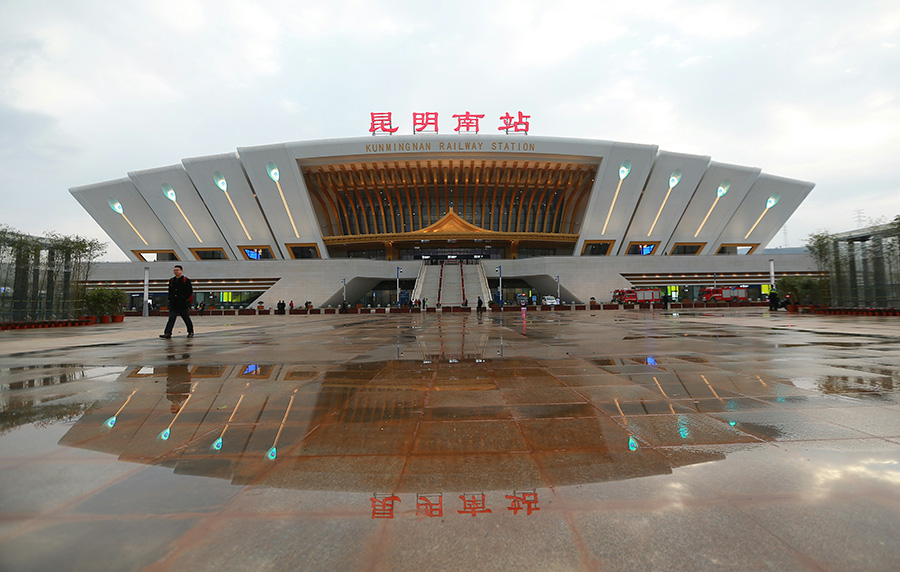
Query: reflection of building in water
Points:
[178, 385]
[441, 425]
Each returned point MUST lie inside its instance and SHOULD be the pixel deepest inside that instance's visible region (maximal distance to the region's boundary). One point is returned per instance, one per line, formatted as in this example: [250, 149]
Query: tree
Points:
[820, 245]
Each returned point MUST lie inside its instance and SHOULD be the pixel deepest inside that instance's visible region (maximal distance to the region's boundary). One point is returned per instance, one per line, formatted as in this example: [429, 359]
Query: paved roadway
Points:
[629, 440]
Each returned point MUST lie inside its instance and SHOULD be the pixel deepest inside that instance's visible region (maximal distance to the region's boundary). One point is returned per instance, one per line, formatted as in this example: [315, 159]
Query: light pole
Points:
[399, 272]
[344, 281]
[500, 270]
[557, 290]
[145, 311]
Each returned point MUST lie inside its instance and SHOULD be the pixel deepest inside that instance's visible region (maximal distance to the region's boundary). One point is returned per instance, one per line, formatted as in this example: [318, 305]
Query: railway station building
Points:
[448, 218]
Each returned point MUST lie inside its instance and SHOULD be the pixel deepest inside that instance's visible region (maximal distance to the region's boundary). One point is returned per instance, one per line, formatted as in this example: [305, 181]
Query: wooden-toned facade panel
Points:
[393, 198]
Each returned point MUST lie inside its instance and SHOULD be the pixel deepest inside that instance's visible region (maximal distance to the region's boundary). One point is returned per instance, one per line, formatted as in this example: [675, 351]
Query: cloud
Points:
[693, 61]
[90, 91]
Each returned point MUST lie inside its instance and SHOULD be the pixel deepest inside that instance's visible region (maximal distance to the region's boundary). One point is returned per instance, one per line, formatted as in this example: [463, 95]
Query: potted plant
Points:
[116, 300]
[95, 302]
[105, 303]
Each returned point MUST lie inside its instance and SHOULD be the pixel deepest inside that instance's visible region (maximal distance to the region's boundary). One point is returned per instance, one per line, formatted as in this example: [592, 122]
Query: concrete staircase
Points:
[451, 285]
[430, 283]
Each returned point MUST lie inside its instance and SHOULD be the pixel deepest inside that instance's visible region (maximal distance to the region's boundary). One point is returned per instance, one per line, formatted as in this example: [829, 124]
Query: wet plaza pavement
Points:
[607, 440]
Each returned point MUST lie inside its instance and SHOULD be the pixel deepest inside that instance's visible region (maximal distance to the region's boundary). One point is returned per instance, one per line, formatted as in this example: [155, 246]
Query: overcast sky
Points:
[802, 89]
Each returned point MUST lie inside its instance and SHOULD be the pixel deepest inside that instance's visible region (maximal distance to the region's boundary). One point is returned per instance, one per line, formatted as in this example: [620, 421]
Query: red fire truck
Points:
[636, 296]
[727, 294]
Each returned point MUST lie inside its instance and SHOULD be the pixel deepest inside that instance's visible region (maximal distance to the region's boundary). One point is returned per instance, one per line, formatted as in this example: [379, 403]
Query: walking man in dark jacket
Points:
[181, 293]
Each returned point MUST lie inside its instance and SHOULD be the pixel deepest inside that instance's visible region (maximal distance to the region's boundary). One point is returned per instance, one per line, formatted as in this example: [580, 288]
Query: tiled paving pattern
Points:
[734, 440]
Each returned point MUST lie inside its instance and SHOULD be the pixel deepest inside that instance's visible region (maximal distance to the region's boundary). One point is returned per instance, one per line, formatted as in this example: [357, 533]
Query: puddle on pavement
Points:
[436, 417]
[448, 424]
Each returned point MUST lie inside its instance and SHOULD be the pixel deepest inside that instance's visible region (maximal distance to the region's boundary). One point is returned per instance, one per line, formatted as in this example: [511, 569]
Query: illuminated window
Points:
[258, 254]
[641, 249]
[257, 370]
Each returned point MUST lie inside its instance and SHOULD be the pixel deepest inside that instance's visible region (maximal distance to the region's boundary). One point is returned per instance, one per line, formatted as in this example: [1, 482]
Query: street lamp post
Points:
[145, 311]
[500, 270]
[557, 289]
[399, 272]
[344, 281]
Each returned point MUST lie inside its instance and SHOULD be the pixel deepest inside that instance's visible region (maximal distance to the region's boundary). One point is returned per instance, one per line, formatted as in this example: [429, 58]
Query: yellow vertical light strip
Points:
[711, 388]
[706, 217]
[126, 403]
[287, 208]
[612, 206]
[283, 420]
[652, 226]
[187, 221]
[770, 202]
[756, 223]
[232, 415]
[132, 228]
[227, 196]
[660, 388]
[183, 405]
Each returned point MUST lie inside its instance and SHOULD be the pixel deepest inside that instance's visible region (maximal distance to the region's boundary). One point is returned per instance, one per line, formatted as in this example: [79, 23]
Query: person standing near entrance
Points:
[480, 305]
[181, 292]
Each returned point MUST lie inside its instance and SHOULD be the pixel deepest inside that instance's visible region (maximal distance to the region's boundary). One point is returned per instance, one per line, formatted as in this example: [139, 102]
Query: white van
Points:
[549, 301]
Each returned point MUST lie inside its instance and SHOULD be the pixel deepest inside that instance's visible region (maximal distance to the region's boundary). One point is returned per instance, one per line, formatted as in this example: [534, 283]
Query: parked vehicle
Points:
[549, 301]
[727, 294]
[635, 296]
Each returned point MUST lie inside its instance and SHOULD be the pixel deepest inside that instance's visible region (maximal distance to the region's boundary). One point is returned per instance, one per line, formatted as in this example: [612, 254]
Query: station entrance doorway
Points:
[462, 253]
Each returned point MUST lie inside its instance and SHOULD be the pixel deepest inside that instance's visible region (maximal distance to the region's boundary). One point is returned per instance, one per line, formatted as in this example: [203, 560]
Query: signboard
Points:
[381, 122]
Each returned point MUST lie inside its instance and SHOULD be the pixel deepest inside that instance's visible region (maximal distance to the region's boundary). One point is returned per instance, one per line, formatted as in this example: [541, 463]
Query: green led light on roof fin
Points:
[272, 169]
[220, 181]
[772, 201]
[723, 188]
[675, 178]
[169, 192]
[116, 206]
[624, 169]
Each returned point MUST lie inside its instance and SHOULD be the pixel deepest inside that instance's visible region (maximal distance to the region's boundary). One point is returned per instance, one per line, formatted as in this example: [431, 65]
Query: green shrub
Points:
[104, 301]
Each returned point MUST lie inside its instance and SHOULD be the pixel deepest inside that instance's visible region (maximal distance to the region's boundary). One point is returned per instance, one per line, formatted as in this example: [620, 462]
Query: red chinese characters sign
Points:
[431, 505]
[383, 506]
[381, 122]
[527, 498]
